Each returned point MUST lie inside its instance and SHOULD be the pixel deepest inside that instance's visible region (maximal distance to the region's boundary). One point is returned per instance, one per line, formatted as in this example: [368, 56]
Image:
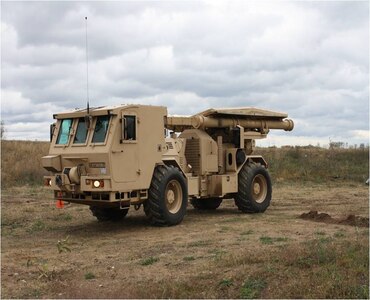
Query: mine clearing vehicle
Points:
[111, 158]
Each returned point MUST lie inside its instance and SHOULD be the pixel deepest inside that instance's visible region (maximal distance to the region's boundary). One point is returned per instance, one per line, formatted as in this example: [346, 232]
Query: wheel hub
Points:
[170, 196]
[256, 188]
[259, 188]
[173, 195]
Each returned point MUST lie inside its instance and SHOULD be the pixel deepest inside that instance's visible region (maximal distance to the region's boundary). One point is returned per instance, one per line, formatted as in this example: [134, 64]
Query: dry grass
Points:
[50, 253]
[318, 268]
[65, 253]
[317, 164]
[21, 162]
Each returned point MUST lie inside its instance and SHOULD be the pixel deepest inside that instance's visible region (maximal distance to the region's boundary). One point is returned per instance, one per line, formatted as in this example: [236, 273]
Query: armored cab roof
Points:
[242, 112]
[80, 112]
[95, 111]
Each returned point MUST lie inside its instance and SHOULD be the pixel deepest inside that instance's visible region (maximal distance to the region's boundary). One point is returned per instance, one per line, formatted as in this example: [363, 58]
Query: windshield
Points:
[81, 133]
[64, 130]
[100, 130]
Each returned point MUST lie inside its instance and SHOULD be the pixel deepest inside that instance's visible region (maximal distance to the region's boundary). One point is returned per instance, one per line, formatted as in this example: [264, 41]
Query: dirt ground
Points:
[66, 253]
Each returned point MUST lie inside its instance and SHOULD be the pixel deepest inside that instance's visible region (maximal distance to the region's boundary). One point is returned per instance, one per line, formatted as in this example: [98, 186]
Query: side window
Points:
[129, 130]
[64, 130]
[81, 133]
[101, 129]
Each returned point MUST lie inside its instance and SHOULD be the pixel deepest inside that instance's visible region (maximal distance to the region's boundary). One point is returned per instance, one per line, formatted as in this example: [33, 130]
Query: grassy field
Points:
[317, 164]
[21, 163]
[65, 253]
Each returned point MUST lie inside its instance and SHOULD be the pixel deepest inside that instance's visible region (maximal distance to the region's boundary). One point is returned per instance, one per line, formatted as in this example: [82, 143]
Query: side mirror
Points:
[52, 128]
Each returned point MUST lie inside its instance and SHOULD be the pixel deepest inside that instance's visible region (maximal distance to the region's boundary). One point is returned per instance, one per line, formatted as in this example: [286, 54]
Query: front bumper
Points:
[89, 195]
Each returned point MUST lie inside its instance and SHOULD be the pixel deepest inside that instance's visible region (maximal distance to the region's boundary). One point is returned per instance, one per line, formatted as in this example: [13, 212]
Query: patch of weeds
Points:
[281, 239]
[149, 261]
[321, 233]
[231, 220]
[42, 268]
[360, 291]
[218, 253]
[271, 269]
[304, 262]
[62, 245]
[266, 240]
[38, 226]
[225, 283]
[189, 258]
[324, 254]
[224, 229]
[62, 217]
[45, 272]
[269, 240]
[199, 243]
[339, 234]
[89, 276]
[65, 217]
[252, 288]
[35, 293]
[247, 232]
[325, 239]
[10, 223]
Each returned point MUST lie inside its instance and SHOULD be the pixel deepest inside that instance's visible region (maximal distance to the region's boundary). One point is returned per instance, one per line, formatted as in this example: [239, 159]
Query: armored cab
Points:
[111, 158]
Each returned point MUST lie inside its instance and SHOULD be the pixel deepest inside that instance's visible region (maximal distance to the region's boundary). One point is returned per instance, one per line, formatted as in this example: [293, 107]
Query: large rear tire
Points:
[167, 198]
[108, 214]
[206, 204]
[254, 189]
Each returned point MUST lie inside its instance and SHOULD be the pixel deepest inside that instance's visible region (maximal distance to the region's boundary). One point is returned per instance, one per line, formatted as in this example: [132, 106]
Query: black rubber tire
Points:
[108, 214]
[206, 204]
[155, 207]
[245, 199]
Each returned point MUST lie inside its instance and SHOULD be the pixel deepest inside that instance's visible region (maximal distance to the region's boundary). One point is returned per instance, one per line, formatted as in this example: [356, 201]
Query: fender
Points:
[254, 158]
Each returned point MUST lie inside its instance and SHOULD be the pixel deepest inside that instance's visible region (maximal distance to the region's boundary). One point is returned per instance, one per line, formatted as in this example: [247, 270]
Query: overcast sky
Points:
[309, 59]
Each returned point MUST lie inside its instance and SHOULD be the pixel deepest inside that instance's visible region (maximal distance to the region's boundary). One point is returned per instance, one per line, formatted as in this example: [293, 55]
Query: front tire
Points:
[254, 189]
[168, 197]
[206, 204]
[108, 214]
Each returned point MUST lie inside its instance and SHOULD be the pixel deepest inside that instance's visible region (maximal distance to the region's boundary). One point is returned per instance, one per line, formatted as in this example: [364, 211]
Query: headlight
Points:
[47, 182]
[98, 183]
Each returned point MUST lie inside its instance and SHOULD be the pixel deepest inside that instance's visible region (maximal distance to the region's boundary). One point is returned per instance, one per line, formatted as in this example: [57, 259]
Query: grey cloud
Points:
[308, 59]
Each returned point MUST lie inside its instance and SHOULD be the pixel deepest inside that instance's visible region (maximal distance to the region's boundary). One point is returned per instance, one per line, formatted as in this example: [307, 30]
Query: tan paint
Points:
[210, 151]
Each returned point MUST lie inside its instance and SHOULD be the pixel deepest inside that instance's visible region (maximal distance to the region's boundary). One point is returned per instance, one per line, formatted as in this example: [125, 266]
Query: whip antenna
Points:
[87, 70]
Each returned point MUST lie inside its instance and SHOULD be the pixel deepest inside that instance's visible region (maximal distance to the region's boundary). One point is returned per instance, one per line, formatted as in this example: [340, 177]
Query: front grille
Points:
[192, 154]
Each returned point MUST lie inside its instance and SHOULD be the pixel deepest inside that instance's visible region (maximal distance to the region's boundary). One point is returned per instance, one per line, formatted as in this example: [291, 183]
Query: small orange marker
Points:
[60, 204]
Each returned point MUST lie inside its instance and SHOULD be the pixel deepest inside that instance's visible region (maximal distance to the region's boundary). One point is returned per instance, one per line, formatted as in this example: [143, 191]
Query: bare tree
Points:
[2, 128]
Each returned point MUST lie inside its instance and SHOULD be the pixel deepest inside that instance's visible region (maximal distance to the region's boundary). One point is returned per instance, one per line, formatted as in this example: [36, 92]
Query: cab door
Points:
[125, 161]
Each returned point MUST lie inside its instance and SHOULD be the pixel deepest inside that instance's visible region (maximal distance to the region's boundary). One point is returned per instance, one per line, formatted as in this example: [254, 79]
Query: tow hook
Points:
[137, 206]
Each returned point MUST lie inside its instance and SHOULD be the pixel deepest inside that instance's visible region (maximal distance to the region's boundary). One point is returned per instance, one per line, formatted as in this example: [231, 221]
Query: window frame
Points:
[70, 133]
[77, 121]
[95, 120]
[123, 125]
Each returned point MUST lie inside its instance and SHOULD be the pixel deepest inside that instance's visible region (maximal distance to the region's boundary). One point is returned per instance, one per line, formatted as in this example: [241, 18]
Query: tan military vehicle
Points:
[111, 158]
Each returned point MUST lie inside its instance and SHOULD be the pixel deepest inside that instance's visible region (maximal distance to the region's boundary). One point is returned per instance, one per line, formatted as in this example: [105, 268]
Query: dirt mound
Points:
[355, 221]
[351, 220]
